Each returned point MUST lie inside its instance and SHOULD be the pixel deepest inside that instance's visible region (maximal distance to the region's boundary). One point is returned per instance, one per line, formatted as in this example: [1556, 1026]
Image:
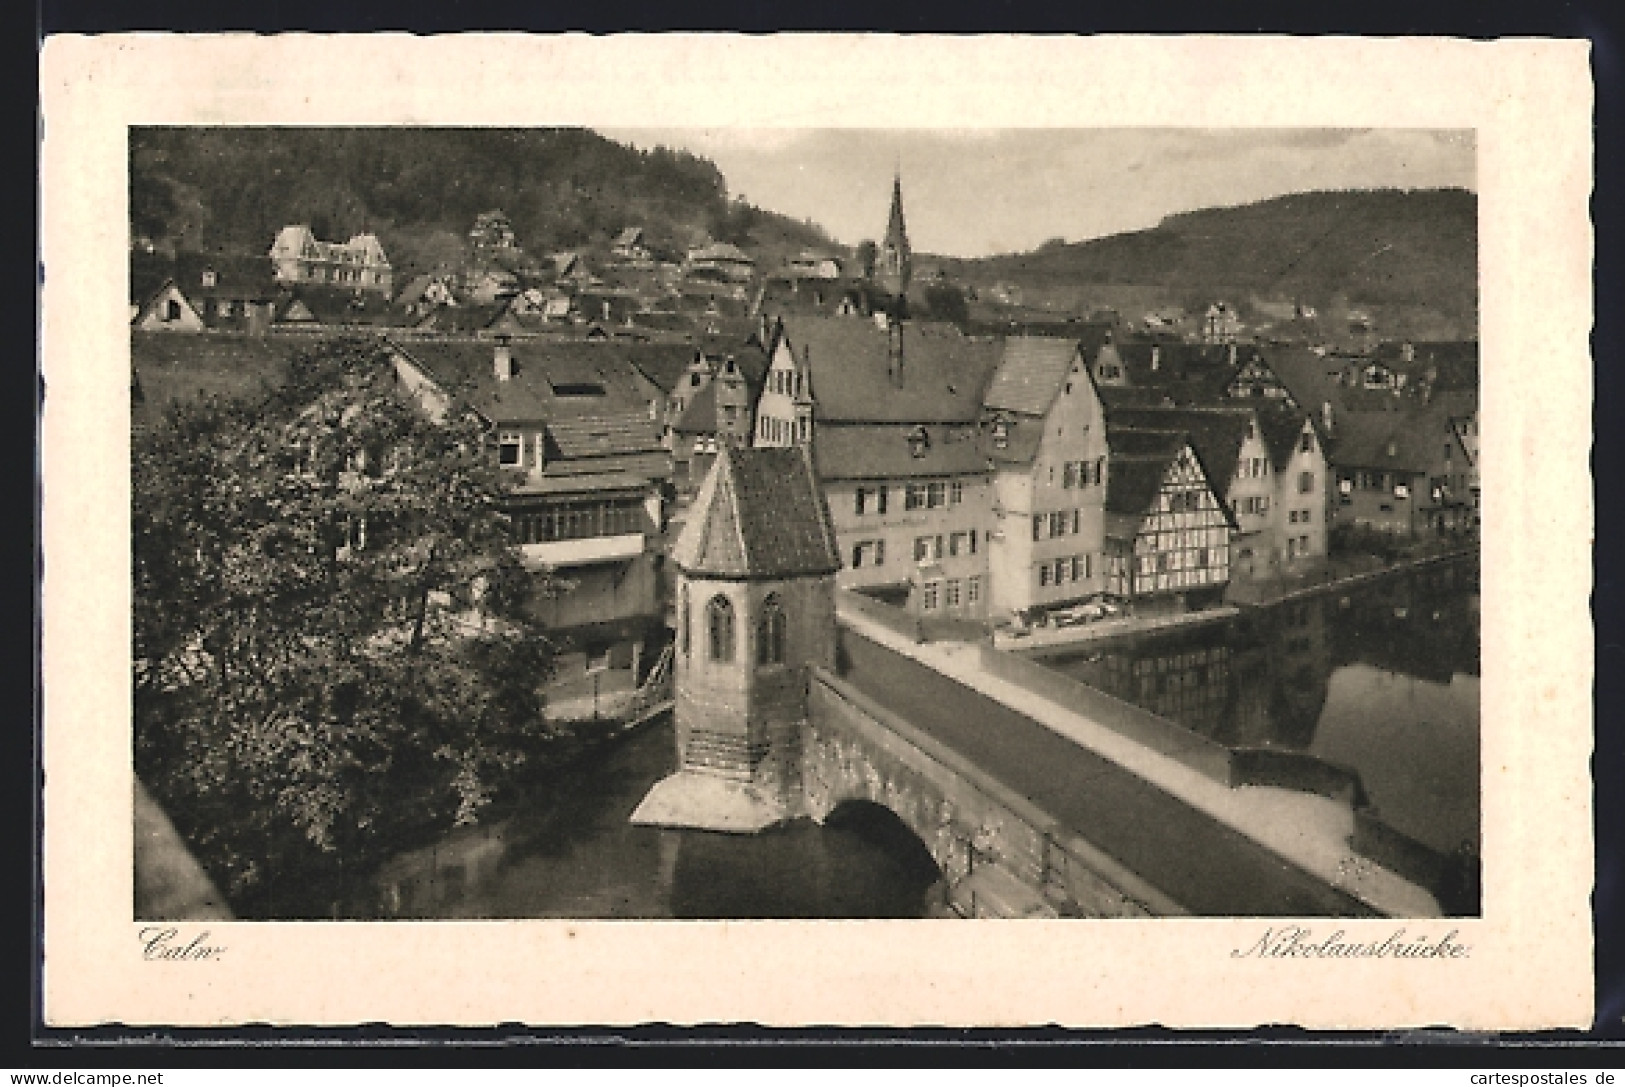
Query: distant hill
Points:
[228, 190]
[1383, 247]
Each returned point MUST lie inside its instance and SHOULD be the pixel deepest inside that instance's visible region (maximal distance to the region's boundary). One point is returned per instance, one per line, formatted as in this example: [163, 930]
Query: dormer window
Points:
[919, 442]
[1001, 434]
[510, 449]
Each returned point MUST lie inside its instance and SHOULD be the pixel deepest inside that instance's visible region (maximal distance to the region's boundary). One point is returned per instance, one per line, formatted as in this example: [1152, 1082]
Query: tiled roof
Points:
[1216, 435]
[1281, 427]
[884, 451]
[1133, 478]
[700, 417]
[602, 436]
[944, 373]
[664, 364]
[541, 369]
[759, 514]
[583, 483]
[1188, 373]
[1393, 441]
[1030, 374]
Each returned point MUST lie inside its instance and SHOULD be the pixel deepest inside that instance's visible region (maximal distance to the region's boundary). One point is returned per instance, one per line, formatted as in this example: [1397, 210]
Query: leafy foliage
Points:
[310, 684]
[231, 189]
[1386, 246]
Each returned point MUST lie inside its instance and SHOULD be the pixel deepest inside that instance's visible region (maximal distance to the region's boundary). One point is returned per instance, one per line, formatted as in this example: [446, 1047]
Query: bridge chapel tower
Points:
[756, 566]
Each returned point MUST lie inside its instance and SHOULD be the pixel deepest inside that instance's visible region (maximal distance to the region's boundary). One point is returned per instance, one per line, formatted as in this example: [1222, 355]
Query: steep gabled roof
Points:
[759, 514]
[1216, 435]
[944, 373]
[700, 417]
[1030, 374]
[1281, 427]
[1139, 461]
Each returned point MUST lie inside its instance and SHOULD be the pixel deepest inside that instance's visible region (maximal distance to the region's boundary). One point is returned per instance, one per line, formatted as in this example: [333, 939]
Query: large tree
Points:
[329, 634]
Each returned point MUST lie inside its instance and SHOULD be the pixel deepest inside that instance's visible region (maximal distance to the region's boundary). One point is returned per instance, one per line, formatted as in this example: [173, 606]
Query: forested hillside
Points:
[1381, 247]
[231, 189]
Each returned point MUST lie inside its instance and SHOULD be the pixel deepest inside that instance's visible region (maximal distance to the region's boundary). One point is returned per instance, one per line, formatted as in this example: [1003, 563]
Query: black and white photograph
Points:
[983, 528]
[563, 523]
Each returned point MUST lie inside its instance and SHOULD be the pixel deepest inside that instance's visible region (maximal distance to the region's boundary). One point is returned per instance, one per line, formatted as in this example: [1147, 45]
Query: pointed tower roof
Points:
[896, 231]
[759, 514]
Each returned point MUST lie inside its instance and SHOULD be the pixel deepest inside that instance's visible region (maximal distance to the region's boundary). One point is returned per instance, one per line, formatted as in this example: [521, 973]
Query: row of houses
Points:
[982, 478]
[974, 477]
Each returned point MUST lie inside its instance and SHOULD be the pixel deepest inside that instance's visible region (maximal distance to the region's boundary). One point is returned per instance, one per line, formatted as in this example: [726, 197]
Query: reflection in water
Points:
[573, 853]
[1382, 680]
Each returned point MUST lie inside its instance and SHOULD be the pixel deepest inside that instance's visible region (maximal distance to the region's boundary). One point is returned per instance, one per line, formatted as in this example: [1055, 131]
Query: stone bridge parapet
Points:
[999, 853]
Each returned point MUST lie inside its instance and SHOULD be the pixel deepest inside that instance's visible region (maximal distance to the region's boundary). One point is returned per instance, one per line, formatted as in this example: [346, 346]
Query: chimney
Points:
[1156, 356]
[1326, 417]
[502, 359]
[894, 352]
[1408, 351]
[1230, 353]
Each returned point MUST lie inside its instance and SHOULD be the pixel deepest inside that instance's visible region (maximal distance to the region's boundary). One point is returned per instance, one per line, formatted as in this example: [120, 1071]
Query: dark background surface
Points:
[27, 1044]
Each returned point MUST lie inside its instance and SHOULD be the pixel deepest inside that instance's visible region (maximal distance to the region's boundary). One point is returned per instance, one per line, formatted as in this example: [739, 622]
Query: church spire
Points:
[895, 257]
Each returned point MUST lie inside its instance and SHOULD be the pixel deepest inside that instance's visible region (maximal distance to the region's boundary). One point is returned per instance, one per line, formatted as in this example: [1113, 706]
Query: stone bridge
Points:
[1020, 820]
[1000, 855]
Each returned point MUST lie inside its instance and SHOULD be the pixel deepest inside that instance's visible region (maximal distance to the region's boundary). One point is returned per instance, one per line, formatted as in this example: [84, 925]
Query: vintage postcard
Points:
[817, 530]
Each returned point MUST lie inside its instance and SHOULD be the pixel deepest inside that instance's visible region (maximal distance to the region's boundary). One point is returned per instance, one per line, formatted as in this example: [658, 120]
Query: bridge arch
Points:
[882, 827]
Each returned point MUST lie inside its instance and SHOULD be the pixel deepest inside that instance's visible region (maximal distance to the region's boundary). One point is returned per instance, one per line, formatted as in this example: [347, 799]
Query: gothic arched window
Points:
[770, 633]
[719, 623]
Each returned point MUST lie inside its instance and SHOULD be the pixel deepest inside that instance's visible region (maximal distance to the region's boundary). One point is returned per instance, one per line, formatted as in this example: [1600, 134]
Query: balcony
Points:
[586, 551]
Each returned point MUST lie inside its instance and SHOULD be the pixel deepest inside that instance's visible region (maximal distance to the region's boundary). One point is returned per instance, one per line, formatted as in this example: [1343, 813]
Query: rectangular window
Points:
[510, 449]
[1076, 521]
[936, 494]
[1306, 482]
[1057, 524]
[857, 556]
[880, 500]
[1306, 443]
[880, 552]
[1038, 526]
[1069, 474]
[1060, 570]
[973, 590]
[1043, 575]
[857, 506]
[955, 542]
[922, 548]
[1306, 516]
[1292, 516]
[956, 492]
[973, 541]
[913, 497]
[951, 596]
[932, 589]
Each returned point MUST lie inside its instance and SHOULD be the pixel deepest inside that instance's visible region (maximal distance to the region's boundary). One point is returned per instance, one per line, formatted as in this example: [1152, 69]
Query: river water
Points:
[574, 853]
[1382, 680]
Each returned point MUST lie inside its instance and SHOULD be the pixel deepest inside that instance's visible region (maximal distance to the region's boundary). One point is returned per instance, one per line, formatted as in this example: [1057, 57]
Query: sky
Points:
[976, 192]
